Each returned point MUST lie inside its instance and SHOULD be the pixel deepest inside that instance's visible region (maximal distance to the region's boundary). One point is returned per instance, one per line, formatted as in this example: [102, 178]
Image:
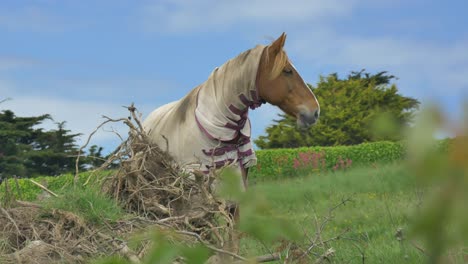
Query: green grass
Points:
[30, 192]
[89, 203]
[382, 200]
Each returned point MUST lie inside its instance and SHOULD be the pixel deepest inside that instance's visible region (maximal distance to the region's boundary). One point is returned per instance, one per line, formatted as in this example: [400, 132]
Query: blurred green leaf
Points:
[260, 220]
[442, 222]
[195, 255]
[162, 251]
[231, 185]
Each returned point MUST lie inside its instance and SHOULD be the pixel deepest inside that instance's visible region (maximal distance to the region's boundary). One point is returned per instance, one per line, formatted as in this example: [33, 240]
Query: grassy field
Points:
[383, 199]
[380, 200]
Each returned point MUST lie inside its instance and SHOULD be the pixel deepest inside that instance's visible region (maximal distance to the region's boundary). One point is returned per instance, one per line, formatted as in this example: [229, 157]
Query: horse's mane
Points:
[281, 60]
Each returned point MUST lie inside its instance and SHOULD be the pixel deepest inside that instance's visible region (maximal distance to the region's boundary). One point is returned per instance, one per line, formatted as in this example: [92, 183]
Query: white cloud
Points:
[81, 117]
[207, 15]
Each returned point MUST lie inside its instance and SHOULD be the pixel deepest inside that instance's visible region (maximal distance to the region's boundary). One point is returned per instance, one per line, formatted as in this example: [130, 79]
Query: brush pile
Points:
[150, 184]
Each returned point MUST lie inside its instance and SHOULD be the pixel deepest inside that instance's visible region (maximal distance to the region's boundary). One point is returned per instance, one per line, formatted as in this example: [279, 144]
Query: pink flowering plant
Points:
[282, 163]
[309, 161]
[342, 164]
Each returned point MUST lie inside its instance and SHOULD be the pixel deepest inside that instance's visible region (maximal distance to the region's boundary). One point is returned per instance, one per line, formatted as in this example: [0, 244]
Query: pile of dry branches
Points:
[150, 184]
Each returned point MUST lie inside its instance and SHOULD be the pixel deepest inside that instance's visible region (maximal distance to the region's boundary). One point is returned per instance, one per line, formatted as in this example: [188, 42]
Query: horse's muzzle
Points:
[307, 118]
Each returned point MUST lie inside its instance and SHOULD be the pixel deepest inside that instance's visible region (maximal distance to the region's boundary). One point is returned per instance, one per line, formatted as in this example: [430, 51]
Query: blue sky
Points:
[78, 60]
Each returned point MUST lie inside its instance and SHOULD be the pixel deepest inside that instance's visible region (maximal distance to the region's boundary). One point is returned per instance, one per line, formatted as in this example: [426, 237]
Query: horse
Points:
[209, 128]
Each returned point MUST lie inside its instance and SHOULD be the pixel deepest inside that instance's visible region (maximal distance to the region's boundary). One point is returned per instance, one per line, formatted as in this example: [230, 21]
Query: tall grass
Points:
[382, 201]
[89, 203]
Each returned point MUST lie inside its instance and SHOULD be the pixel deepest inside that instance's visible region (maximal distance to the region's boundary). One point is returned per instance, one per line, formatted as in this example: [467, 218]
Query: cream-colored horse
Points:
[210, 128]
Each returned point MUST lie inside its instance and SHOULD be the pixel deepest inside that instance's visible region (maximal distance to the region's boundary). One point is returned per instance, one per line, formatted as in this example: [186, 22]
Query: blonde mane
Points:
[281, 60]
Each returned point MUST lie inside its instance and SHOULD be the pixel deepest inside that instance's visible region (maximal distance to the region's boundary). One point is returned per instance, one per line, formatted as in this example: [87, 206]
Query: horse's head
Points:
[279, 83]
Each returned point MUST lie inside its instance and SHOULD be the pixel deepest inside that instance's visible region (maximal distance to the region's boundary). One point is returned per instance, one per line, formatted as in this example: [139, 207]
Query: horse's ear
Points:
[278, 44]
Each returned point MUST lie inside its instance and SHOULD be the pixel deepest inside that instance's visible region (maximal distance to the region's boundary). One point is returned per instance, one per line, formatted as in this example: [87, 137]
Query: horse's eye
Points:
[287, 71]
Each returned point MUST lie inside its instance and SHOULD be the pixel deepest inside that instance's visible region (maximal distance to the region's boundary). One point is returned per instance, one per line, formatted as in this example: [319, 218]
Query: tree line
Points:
[28, 151]
[350, 108]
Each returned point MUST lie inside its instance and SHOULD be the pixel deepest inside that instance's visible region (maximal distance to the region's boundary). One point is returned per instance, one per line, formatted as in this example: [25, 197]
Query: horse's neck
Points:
[236, 80]
[225, 98]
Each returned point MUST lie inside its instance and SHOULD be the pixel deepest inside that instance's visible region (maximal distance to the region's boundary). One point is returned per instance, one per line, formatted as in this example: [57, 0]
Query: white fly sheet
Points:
[199, 126]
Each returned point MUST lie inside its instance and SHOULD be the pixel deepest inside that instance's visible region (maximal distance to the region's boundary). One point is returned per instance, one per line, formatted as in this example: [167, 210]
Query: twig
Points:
[133, 111]
[77, 162]
[326, 256]
[267, 248]
[318, 241]
[418, 247]
[262, 258]
[11, 220]
[111, 159]
[324, 242]
[43, 188]
[28, 204]
[124, 249]
[206, 244]
[268, 257]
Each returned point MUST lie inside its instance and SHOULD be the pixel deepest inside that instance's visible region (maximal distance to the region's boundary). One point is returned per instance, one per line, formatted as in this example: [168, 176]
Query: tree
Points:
[17, 138]
[348, 108]
[54, 152]
[26, 150]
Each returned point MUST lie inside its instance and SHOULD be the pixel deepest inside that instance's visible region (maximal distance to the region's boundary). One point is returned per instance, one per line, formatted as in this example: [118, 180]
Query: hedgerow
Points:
[272, 164]
[281, 163]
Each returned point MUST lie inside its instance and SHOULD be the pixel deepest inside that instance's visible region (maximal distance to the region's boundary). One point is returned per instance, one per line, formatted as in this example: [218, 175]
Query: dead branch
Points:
[80, 150]
[326, 256]
[27, 204]
[318, 240]
[222, 251]
[43, 188]
[264, 258]
[122, 248]
[5, 212]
